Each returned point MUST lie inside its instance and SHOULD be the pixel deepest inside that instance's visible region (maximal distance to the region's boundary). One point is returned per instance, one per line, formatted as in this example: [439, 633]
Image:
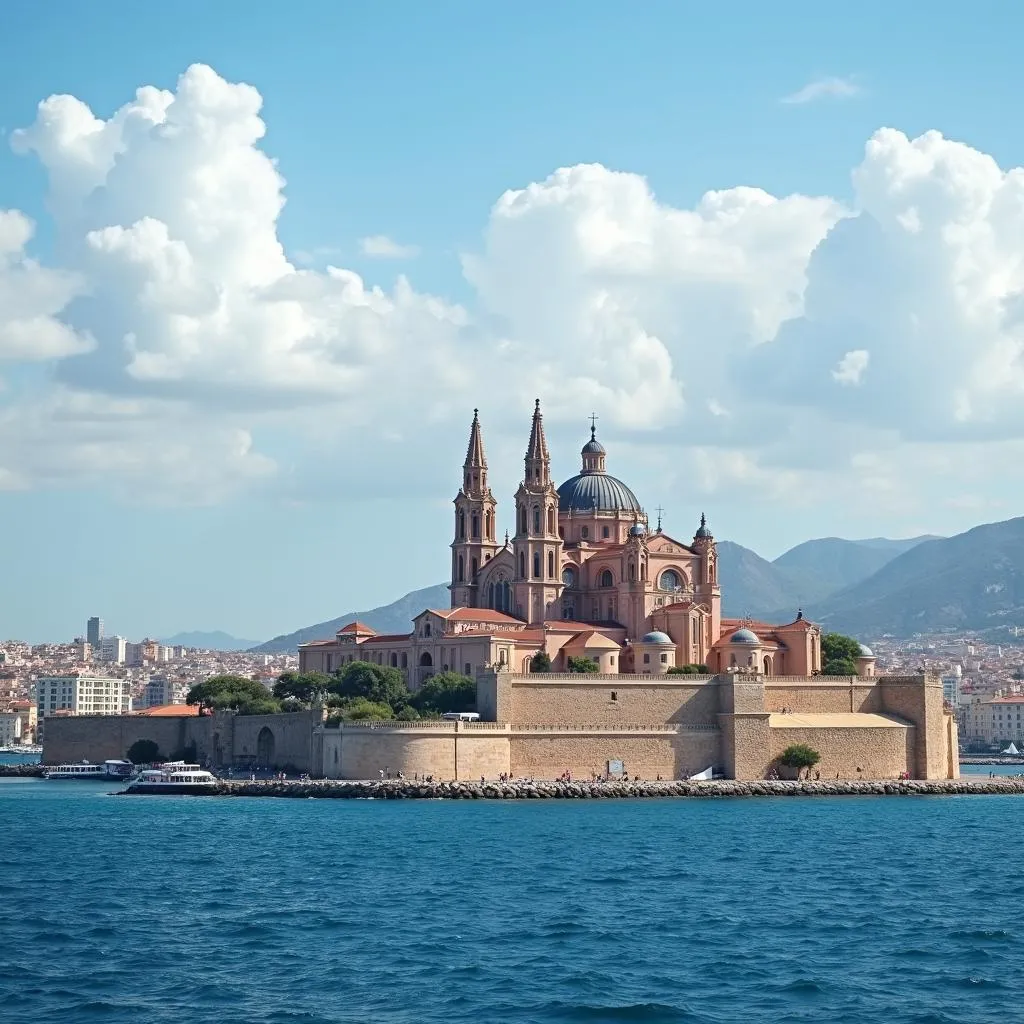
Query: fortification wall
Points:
[546, 754]
[918, 700]
[618, 700]
[291, 744]
[849, 753]
[101, 737]
[822, 695]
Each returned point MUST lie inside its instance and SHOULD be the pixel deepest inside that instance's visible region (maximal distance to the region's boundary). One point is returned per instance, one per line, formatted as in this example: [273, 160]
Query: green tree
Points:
[688, 670]
[379, 684]
[306, 687]
[799, 755]
[408, 714]
[540, 662]
[447, 691]
[839, 655]
[582, 665]
[360, 709]
[233, 693]
[143, 752]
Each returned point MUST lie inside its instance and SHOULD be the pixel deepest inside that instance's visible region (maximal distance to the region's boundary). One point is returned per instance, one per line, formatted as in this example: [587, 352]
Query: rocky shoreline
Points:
[30, 770]
[411, 790]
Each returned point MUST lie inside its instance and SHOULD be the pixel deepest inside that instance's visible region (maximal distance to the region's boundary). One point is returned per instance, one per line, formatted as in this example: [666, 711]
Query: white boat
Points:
[174, 777]
[113, 768]
[82, 770]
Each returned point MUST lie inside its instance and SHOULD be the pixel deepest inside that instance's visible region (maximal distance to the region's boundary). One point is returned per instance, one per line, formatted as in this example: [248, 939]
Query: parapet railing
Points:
[392, 723]
[673, 727]
[609, 679]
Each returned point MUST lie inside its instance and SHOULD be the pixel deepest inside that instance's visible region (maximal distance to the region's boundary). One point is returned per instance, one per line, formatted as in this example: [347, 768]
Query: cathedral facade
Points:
[583, 575]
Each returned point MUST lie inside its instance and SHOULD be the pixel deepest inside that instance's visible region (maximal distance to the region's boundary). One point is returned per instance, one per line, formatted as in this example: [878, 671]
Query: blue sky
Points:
[253, 491]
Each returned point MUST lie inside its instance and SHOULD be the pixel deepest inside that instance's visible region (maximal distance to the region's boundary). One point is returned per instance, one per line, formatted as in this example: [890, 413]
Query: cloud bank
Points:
[779, 344]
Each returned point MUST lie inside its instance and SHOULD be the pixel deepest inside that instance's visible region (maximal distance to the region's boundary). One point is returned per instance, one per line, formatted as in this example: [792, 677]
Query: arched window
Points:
[670, 580]
[475, 565]
[584, 532]
[632, 572]
[462, 526]
[489, 526]
[536, 565]
[604, 532]
[569, 576]
[467, 483]
[405, 660]
[462, 569]
[551, 565]
[426, 629]
[476, 527]
[606, 579]
[664, 659]
[536, 518]
[426, 660]
[394, 661]
[522, 565]
[522, 519]
[551, 520]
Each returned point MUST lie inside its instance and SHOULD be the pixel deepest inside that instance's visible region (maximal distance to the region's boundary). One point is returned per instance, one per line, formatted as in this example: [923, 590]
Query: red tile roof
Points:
[480, 615]
[358, 627]
[385, 638]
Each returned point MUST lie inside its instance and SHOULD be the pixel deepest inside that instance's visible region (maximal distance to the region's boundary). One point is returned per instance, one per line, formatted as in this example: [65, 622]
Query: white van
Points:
[461, 716]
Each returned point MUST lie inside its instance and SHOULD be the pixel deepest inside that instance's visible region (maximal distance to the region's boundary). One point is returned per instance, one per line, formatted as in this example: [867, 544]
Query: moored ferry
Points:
[174, 777]
[110, 769]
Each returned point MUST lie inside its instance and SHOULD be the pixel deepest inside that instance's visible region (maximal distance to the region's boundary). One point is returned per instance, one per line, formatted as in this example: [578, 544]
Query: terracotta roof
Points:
[575, 625]
[591, 638]
[1016, 699]
[527, 636]
[480, 615]
[170, 711]
[317, 643]
[386, 638]
[358, 627]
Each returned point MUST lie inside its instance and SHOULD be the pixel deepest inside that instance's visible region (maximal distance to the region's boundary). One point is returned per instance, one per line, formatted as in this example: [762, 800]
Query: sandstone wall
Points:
[292, 744]
[101, 737]
[546, 754]
[880, 753]
[822, 695]
[918, 700]
[613, 700]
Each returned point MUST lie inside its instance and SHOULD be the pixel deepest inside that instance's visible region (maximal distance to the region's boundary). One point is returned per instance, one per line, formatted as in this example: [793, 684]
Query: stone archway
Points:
[265, 744]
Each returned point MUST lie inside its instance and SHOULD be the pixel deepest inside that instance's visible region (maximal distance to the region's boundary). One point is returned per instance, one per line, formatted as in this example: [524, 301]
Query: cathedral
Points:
[583, 576]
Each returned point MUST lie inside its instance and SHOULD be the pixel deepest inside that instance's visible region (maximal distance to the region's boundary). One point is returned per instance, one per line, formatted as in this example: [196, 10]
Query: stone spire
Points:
[475, 458]
[538, 461]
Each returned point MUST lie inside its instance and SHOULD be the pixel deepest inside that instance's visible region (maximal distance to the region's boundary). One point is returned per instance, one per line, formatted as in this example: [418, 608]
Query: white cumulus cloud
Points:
[851, 367]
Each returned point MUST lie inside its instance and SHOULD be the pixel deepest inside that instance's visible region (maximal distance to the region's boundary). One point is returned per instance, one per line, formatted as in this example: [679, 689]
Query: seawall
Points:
[404, 789]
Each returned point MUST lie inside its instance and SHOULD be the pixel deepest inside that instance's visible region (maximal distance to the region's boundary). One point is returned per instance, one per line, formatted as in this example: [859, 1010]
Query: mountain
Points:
[751, 584]
[389, 618]
[215, 641]
[972, 581]
[822, 567]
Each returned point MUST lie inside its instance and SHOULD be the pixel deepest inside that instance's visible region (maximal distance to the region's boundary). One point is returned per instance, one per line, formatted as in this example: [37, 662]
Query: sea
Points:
[134, 910]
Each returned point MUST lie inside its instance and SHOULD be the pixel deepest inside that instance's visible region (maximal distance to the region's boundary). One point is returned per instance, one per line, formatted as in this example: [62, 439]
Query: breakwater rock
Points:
[21, 771]
[404, 789]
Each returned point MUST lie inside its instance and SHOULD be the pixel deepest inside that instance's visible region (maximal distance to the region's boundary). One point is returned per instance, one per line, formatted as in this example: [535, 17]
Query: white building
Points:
[951, 688]
[10, 728]
[83, 695]
[160, 691]
[114, 649]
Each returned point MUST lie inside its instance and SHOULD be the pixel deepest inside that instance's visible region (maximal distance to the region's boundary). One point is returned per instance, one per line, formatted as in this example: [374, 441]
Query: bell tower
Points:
[706, 586]
[537, 545]
[475, 511]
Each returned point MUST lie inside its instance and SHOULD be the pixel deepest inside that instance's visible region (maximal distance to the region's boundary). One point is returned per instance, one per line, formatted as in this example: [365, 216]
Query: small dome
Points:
[865, 651]
[703, 533]
[637, 530]
[657, 637]
[593, 446]
[744, 636]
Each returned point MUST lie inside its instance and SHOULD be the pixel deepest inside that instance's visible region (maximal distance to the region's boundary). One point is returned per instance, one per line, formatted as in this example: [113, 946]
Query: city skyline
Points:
[779, 264]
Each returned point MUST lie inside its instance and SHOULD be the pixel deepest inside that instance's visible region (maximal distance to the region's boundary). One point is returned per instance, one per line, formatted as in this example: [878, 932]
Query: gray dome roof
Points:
[865, 651]
[657, 637]
[588, 491]
[637, 530]
[744, 636]
[593, 447]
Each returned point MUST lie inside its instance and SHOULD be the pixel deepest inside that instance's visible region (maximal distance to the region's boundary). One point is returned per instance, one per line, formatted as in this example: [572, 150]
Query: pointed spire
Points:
[475, 458]
[538, 461]
[703, 532]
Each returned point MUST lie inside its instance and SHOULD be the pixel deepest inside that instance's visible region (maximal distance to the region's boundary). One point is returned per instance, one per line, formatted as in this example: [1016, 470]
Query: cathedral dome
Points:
[865, 651]
[593, 447]
[744, 636]
[592, 491]
[657, 637]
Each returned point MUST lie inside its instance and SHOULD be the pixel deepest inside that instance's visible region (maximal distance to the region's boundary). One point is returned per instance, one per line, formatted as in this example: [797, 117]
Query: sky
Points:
[258, 265]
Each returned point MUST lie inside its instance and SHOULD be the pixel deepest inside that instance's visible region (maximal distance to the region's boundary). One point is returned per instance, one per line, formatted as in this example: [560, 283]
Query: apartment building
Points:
[997, 720]
[10, 729]
[82, 695]
[161, 690]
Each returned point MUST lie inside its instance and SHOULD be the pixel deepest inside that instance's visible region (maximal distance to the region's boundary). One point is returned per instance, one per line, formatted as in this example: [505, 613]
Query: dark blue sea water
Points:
[217, 911]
